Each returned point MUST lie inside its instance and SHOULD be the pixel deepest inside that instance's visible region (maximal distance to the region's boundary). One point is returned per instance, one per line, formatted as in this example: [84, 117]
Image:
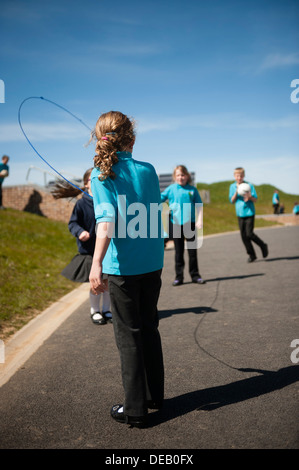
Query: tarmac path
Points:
[231, 375]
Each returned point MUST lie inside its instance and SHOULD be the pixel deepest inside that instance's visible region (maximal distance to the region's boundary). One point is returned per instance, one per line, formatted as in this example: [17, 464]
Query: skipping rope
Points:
[201, 347]
[80, 189]
[35, 150]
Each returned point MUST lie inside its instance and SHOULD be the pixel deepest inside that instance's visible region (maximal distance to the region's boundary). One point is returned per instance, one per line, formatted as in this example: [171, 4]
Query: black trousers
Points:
[276, 208]
[0, 193]
[246, 225]
[177, 233]
[135, 320]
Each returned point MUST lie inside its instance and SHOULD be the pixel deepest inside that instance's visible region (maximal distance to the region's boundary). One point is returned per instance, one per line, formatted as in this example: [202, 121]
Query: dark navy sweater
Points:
[82, 219]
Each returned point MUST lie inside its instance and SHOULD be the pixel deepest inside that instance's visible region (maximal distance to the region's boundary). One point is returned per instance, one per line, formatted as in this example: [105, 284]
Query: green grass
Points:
[33, 251]
[220, 215]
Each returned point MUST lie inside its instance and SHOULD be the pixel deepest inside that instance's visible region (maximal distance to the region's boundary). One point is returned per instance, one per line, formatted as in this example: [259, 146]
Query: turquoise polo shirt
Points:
[182, 200]
[3, 166]
[296, 209]
[132, 201]
[243, 209]
[275, 198]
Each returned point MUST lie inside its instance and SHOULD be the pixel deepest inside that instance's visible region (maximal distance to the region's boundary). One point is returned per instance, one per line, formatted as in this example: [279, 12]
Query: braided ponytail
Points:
[114, 133]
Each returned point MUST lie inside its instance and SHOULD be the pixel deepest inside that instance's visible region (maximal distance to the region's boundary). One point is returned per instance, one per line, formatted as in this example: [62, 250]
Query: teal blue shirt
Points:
[182, 200]
[3, 166]
[275, 198]
[296, 209]
[243, 209]
[132, 201]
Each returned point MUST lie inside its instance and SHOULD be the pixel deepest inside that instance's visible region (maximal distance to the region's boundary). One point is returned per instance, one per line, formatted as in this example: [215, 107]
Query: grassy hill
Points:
[220, 216]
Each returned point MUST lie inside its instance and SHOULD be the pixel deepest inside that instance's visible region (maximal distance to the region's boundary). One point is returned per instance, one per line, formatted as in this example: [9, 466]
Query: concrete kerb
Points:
[28, 339]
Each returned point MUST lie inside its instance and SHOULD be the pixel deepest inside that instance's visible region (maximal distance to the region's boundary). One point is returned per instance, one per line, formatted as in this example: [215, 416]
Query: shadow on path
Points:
[228, 278]
[215, 397]
[282, 258]
[178, 311]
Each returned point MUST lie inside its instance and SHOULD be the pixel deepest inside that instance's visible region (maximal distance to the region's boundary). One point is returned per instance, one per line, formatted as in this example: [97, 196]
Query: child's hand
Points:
[84, 236]
[97, 284]
[247, 196]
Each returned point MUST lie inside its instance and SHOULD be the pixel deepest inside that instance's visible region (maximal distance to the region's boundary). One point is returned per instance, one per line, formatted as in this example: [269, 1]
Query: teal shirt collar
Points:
[124, 155]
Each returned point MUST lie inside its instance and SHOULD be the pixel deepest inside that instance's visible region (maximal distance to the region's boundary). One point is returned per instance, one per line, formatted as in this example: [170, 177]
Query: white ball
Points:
[243, 188]
[3, 173]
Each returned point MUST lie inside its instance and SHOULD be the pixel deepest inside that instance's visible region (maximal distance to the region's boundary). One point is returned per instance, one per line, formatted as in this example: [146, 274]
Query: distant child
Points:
[4, 171]
[245, 211]
[122, 186]
[180, 194]
[296, 208]
[82, 225]
[275, 202]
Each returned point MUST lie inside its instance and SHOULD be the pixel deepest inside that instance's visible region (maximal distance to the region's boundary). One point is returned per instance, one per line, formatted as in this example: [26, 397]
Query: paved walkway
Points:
[230, 379]
[286, 219]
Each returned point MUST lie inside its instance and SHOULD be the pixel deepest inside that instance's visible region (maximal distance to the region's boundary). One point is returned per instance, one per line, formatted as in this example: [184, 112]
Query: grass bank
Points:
[33, 251]
[220, 215]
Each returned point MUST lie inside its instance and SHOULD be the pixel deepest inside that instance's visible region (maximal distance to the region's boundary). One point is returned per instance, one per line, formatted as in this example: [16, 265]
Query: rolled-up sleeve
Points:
[104, 201]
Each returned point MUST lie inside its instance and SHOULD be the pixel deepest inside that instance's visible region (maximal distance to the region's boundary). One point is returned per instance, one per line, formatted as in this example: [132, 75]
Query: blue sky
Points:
[208, 83]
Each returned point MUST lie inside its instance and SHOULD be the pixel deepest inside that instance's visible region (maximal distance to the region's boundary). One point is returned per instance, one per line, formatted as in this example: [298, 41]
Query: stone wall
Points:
[37, 200]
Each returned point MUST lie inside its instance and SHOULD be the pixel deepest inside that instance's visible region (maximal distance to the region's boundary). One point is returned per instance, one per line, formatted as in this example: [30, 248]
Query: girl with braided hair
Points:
[132, 264]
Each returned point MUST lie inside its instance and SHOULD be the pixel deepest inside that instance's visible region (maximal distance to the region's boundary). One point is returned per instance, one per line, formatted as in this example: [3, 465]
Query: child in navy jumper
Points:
[82, 225]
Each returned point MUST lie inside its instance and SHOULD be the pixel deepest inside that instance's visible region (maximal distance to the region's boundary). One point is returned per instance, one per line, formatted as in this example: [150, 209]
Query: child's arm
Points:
[164, 195]
[249, 197]
[104, 234]
[233, 194]
[75, 224]
[199, 208]
[234, 197]
[199, 222]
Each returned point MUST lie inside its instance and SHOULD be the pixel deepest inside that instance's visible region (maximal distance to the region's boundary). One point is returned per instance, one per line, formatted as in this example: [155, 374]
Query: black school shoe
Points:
[108, 316]
[198, 280]
[177, 282]
[265, 250]
[117, 413]
[97, 318]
